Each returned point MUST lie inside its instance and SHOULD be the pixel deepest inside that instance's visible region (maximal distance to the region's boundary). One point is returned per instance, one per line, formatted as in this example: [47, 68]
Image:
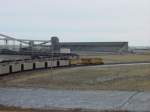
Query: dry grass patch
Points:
[129, 78]
[110, 58]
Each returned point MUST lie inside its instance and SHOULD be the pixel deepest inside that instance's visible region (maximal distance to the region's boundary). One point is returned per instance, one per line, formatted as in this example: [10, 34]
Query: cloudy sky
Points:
[77, 20]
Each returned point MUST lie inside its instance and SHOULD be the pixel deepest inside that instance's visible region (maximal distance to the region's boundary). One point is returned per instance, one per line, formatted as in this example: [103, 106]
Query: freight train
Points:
[8, 67]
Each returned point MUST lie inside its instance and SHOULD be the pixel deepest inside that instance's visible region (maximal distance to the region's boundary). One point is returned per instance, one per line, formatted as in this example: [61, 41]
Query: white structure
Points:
[65, 50]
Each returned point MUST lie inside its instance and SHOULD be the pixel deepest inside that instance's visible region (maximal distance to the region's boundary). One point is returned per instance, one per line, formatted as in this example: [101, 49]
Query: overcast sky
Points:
[77, 20]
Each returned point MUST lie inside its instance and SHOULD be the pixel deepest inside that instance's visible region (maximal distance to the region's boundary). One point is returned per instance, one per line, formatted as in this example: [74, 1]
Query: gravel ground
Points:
[99, 100]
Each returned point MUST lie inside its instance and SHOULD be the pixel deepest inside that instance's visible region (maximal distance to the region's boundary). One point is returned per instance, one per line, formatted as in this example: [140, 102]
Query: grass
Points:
[118, 58]
[129, 78]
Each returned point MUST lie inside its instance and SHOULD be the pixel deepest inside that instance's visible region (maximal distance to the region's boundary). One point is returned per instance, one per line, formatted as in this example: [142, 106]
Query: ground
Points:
[131, 77]
[17, 109]
[128, 78]
[120, 58]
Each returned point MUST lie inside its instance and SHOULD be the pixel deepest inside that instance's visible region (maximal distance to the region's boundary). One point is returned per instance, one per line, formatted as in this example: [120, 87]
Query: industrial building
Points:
[40, 54]
[96, 46]
[42, 46]
[76, 47]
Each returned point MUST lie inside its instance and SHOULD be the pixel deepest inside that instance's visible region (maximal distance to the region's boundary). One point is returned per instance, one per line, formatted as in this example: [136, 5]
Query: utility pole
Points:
[52, 60]
[6, 44]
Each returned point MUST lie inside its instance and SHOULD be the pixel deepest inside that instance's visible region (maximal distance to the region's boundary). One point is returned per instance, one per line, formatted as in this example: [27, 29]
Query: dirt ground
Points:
[16, 109]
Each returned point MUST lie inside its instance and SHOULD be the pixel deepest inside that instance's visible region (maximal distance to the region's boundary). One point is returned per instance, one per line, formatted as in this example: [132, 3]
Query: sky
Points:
[77, 20]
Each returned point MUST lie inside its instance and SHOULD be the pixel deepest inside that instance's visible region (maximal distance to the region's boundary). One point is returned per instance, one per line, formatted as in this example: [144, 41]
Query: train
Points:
[87, 61]
[8, 67]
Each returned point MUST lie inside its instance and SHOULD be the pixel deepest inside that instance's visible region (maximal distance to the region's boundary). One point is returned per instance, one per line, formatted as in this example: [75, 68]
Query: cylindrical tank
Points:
[55, 44]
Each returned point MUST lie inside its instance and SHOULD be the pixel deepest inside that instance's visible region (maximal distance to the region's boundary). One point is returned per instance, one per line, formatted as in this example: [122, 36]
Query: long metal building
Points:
[95, 46]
